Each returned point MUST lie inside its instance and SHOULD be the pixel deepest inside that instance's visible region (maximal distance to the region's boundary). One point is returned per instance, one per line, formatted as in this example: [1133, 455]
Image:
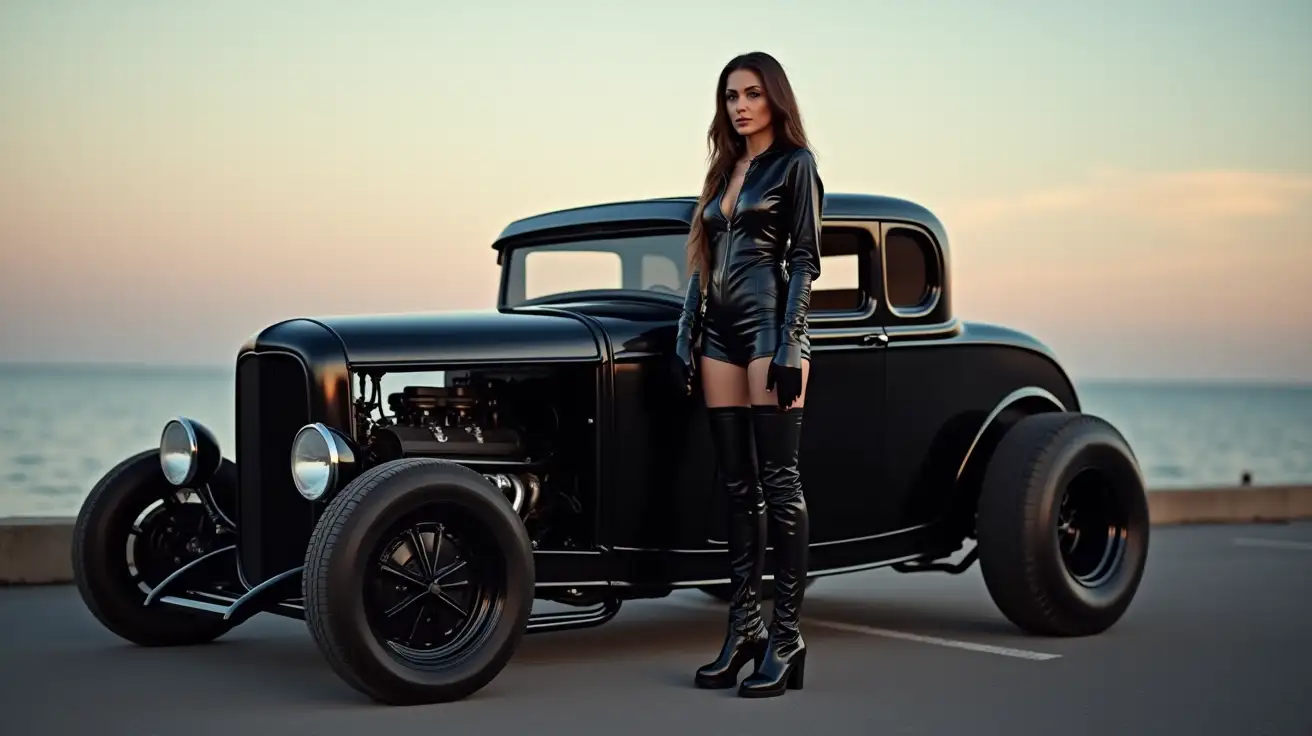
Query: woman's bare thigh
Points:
[759, 370]
[724, 384]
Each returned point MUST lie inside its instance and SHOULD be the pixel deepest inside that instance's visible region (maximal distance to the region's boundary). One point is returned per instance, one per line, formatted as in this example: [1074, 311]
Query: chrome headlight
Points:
[188, 452]
[321, 460]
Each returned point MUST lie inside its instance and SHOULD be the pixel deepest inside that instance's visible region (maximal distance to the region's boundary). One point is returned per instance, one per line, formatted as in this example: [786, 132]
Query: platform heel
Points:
[777, 434]
[745, 640]
[797, 674]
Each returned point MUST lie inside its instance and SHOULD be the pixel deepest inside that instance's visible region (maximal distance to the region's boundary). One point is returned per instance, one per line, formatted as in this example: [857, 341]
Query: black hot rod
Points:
[410, 484]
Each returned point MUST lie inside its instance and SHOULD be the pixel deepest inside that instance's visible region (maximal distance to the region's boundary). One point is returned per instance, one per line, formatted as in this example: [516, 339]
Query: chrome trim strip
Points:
[227, 600]
[871, 537]
[872, 228]
[937, 336]
[195, 605]
[939, 265]
[948, 329]
[951, 328]
[863, 566]
[1021, 393]
[672, 551]
[810, 575]
[839, 333]
[849, 541]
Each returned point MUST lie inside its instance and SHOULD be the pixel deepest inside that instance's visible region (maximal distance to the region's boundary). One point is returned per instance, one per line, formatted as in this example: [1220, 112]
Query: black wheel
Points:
[724, 592]
[1063, 525]
[134, 529]
[418, 582]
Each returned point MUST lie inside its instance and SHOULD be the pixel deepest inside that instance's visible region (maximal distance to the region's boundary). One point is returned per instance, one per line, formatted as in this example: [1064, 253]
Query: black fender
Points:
[1013, 407]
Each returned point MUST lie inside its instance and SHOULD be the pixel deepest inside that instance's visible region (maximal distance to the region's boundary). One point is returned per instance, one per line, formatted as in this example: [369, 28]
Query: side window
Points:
[660, 272]
[845, 259]
[911, 269]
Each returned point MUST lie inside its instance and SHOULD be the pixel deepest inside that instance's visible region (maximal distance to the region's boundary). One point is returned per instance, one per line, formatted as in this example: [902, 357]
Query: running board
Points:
[276, 595]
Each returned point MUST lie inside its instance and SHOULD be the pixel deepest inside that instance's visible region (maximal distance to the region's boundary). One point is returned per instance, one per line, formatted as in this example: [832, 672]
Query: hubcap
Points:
[433, 589]
[1092, 529]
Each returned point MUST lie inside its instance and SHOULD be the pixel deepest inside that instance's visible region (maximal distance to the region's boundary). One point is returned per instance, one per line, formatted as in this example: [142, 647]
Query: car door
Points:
[932, 386]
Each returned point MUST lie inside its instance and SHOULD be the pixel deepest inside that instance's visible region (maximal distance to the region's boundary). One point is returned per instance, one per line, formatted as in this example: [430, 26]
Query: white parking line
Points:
[968, 645]
[903, 635]
[1273, 543]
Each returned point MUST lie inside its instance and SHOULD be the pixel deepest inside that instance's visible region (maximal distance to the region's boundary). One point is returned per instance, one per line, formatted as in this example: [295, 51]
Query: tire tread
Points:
[322, 617]
[1011, 503]
[159, 626]
[322, 543]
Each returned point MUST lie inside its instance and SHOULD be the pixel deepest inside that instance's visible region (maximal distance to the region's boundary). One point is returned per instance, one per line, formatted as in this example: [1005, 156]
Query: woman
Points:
[753, 252]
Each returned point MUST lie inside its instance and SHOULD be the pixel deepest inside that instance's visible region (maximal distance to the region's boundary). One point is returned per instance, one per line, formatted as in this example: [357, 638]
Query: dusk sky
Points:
[1129, 181]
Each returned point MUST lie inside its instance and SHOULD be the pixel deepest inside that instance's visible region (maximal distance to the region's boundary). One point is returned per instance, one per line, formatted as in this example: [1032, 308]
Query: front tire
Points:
[419, 582]
[133, 530]
[1063, 525]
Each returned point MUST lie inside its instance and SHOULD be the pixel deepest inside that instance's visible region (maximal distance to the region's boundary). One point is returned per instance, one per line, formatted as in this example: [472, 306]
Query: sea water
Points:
[62, 427]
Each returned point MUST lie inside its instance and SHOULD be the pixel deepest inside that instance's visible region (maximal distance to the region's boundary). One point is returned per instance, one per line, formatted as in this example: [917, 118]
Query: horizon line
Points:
[1142, 380]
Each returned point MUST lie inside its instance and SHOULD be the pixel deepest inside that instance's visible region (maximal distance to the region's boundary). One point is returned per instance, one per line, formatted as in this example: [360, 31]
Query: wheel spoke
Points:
[437, 545]
[418, 617]
[452, 604]
[405, 575]
[394, 610]
[431, 598]
[445, 571]
[420, 552]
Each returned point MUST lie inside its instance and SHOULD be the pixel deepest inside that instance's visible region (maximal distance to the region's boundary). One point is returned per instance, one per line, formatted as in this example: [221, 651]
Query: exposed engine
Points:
[447, 422]
[477, 421]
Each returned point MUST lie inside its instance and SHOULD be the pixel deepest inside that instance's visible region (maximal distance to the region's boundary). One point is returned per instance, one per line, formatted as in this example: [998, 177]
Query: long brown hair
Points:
[726, 146]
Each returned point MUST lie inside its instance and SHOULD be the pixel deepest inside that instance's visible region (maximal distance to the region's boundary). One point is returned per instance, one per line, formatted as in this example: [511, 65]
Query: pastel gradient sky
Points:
[1130, 181]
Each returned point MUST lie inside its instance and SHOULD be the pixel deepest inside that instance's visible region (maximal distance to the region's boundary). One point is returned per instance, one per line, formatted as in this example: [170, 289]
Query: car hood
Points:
[449, 338]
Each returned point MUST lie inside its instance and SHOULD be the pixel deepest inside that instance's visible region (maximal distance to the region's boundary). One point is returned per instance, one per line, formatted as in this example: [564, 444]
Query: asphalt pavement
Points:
[1219, 641]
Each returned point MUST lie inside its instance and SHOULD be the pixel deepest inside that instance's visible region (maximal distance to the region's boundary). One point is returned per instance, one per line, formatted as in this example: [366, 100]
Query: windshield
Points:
[653, 263]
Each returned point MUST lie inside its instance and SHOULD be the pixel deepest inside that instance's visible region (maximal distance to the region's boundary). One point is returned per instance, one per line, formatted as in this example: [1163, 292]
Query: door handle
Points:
[874, 337]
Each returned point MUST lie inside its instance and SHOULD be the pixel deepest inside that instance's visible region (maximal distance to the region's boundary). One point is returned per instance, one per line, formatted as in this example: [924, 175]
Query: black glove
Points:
[805, 199]
[785, 382]
[785, 374]
[683, 364]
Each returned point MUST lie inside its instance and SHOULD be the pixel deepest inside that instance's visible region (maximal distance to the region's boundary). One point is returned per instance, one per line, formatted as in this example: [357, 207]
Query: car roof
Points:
[677, 211]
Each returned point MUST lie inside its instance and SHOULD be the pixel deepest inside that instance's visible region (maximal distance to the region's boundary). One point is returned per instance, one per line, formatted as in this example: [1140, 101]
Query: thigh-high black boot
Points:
[777, 433]
[731, 432]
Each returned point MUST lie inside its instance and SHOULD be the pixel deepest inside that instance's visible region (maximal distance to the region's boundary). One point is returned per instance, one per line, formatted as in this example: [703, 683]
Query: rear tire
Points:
[113, 585]
[404, 628]
[1063, 525]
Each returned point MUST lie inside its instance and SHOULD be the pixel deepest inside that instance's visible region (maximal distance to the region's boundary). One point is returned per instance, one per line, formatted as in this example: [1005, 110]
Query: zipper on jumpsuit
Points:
[728, 234]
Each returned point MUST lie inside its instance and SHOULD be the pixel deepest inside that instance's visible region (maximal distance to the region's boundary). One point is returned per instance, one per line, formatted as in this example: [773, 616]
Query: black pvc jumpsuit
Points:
[764, 256]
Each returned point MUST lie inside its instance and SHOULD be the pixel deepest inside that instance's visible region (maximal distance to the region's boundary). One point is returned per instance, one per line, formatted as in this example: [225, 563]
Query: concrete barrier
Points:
[36, 550]
[1230, 505]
